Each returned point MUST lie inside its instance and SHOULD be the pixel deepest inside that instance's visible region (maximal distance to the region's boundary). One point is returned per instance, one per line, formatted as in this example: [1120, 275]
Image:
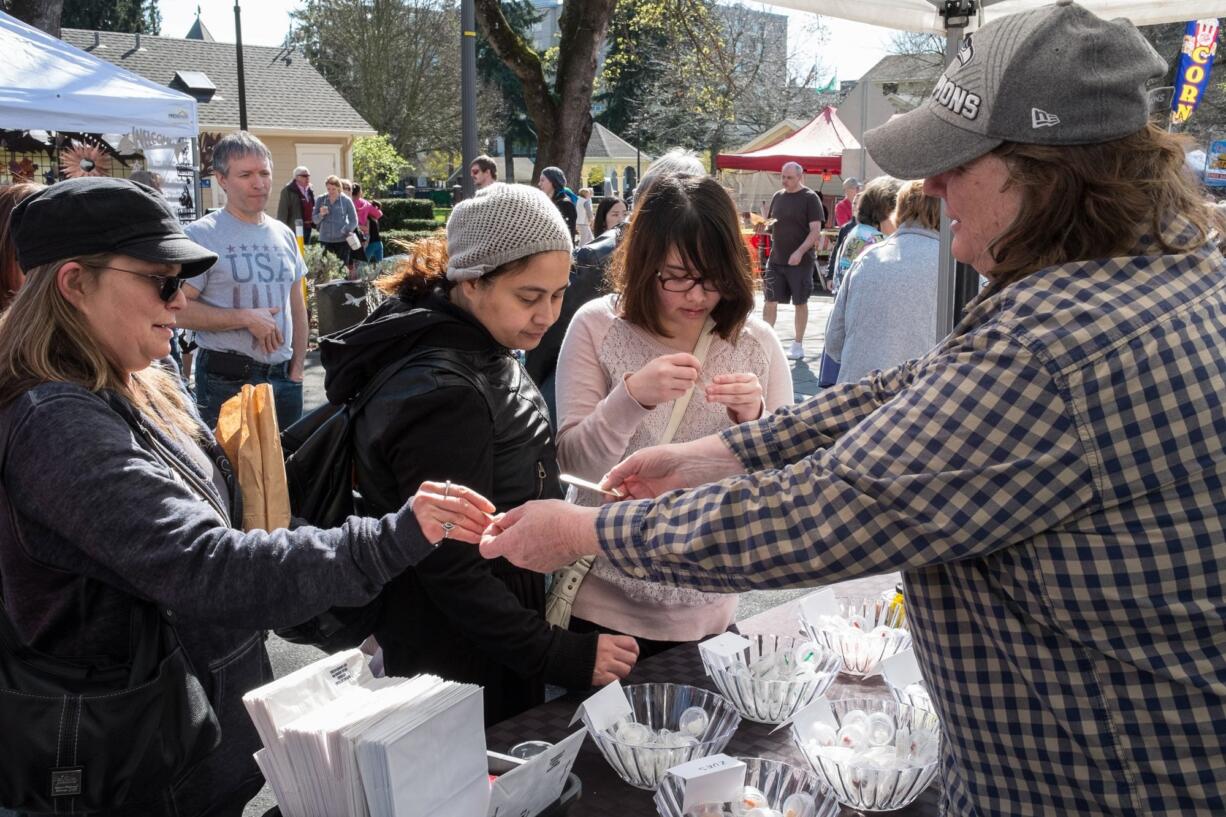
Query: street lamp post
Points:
[242, 84]
[468, 89]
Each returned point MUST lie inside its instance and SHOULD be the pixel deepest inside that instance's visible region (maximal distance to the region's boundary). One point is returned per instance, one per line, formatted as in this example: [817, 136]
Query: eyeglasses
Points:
[168, 285]
[304, 175]
[686, 284]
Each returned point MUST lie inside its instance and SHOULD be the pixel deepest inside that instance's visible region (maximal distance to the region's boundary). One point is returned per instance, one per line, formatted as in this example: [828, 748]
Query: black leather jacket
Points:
[471, 415]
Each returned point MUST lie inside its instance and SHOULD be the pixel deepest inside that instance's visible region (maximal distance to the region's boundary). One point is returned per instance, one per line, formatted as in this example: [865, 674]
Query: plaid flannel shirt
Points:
[1050, 481]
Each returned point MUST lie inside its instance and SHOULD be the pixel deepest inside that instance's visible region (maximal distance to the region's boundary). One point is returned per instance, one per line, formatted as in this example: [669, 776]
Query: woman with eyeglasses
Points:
[678, 322]
[117, 504]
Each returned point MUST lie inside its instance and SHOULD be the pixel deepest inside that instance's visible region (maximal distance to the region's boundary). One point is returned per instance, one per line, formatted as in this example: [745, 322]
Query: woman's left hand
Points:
[740, 393]
[439, 504]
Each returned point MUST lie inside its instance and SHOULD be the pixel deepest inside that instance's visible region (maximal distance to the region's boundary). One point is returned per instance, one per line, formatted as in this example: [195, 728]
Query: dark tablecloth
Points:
[606, 795]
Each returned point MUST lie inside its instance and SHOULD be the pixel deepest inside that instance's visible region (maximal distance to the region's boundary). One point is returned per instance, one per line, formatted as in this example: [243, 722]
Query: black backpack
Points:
[319, 474]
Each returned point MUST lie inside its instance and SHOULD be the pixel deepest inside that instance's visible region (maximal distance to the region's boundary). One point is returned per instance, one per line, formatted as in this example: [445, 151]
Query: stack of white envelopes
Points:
[339, 741]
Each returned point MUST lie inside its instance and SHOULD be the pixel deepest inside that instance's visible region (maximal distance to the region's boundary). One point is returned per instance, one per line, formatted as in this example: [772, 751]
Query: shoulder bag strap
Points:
[566, 581]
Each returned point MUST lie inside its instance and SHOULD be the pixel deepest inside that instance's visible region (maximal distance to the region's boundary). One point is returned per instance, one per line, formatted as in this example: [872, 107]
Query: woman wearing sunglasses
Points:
[677, 328]
[115, 500]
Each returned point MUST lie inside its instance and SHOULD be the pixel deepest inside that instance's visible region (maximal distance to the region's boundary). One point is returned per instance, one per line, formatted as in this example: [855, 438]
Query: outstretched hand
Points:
[650, 472]
[542, 535]
[437, 504]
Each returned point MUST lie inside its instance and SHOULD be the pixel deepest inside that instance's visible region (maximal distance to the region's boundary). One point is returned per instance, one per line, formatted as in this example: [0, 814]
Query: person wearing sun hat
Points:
[117, 505]
[462, 408]
[1048, 478]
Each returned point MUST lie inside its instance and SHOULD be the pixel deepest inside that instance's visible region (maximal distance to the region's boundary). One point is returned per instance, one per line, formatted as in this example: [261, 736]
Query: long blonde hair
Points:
[44, 339]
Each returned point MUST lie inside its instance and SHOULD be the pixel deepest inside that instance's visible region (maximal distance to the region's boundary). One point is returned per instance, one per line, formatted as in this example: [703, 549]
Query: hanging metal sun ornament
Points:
[79, 160]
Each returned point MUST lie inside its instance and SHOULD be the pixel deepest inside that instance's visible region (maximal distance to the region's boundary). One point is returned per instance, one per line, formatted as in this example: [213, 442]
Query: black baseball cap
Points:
[97, 214]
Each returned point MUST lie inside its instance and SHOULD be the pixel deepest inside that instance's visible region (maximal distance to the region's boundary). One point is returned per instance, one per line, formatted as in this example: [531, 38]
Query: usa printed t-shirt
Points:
[257, 268]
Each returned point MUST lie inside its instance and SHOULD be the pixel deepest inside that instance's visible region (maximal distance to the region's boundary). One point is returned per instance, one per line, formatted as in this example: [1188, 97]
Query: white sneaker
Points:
[796, 351]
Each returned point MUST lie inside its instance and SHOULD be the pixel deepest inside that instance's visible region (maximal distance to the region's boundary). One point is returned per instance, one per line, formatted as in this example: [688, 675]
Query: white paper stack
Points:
[338, 741]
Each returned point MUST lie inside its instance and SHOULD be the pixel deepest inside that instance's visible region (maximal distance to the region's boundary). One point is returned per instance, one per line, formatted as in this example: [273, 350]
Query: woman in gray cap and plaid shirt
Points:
[462, 408]
[1050, 479]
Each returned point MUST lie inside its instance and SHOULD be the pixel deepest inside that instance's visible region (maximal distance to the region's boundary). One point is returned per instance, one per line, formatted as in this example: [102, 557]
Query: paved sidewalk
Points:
[804, 372]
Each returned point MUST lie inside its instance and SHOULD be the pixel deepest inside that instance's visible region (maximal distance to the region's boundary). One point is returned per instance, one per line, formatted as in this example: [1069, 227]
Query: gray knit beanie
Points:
[504, 223]
[556, 177]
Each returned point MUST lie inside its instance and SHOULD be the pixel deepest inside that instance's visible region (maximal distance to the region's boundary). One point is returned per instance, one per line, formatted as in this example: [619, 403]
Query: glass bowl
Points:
[914, 695]
[872, 629]
[659, 706]
[884, 777]
[776, 780]
[773, 701]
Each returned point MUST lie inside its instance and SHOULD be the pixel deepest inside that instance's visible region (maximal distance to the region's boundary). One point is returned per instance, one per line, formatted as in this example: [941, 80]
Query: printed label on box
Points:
[711, 779]
[605, 708]
[819, 711]
[821, 603]
[901, 670]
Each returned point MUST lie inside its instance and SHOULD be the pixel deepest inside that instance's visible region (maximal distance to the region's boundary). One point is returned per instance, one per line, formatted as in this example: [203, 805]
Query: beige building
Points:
[895, 85]
[290, 106]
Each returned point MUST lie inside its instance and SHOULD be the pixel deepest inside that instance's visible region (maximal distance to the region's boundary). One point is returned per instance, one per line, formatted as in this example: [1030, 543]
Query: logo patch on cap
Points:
[967, 52]
[1042, 119]
[951, 95]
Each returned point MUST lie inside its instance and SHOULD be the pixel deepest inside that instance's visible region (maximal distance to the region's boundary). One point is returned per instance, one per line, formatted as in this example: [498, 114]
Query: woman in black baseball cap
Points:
[116, 506]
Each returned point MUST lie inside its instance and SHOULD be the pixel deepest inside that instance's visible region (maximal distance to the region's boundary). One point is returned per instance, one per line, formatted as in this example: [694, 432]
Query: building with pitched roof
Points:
[290, 106]
[895, 85]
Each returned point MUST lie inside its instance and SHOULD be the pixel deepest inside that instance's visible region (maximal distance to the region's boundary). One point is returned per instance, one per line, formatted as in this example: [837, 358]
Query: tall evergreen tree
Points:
[516, 128]
[116, 15]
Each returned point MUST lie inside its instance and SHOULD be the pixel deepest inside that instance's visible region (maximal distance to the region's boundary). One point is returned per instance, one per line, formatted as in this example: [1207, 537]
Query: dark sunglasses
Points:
[168, 285]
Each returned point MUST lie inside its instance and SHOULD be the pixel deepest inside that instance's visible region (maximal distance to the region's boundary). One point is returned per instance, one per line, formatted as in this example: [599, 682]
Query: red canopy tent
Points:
[818, 148]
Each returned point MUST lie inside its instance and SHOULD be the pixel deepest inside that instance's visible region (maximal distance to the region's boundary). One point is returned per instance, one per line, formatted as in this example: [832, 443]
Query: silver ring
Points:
[447, 527]
[447, 490]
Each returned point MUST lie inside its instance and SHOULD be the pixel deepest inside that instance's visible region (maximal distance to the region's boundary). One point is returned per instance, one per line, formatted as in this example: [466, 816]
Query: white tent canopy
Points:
[46, 84]
[923, 15]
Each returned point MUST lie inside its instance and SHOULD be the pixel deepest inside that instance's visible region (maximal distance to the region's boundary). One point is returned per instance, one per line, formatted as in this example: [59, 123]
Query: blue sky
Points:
[851, 49]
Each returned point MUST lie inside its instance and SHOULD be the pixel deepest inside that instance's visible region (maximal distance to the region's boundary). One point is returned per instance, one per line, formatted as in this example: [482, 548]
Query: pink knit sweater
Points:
[600, 424]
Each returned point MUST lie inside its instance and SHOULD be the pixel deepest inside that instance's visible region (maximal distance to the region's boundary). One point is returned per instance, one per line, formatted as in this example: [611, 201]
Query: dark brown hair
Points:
[915, 208]
[877, 201]
[486, 164]
[11, 276]
[602, 213]
[424, 269]
[696, 215]
[1095, 201]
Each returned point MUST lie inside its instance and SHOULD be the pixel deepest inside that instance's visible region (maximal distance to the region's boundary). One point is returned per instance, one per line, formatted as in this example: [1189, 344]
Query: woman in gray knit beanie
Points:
[460, 410]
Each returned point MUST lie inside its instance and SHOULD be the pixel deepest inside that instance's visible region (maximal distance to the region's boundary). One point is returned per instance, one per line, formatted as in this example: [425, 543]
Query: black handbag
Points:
[80, 738]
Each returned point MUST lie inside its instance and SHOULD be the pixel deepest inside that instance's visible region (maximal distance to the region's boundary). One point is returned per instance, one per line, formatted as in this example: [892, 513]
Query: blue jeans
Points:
[212, 390]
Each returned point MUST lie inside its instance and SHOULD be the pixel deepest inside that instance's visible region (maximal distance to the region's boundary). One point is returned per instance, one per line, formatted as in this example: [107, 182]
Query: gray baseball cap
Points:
[1057, 75]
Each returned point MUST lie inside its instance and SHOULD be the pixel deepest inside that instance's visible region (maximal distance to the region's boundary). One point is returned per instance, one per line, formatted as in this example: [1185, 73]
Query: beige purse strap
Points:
[701, 348]
[566, 581]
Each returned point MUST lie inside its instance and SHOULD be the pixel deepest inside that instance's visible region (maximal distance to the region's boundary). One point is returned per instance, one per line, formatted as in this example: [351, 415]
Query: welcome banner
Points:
[1195, 63]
